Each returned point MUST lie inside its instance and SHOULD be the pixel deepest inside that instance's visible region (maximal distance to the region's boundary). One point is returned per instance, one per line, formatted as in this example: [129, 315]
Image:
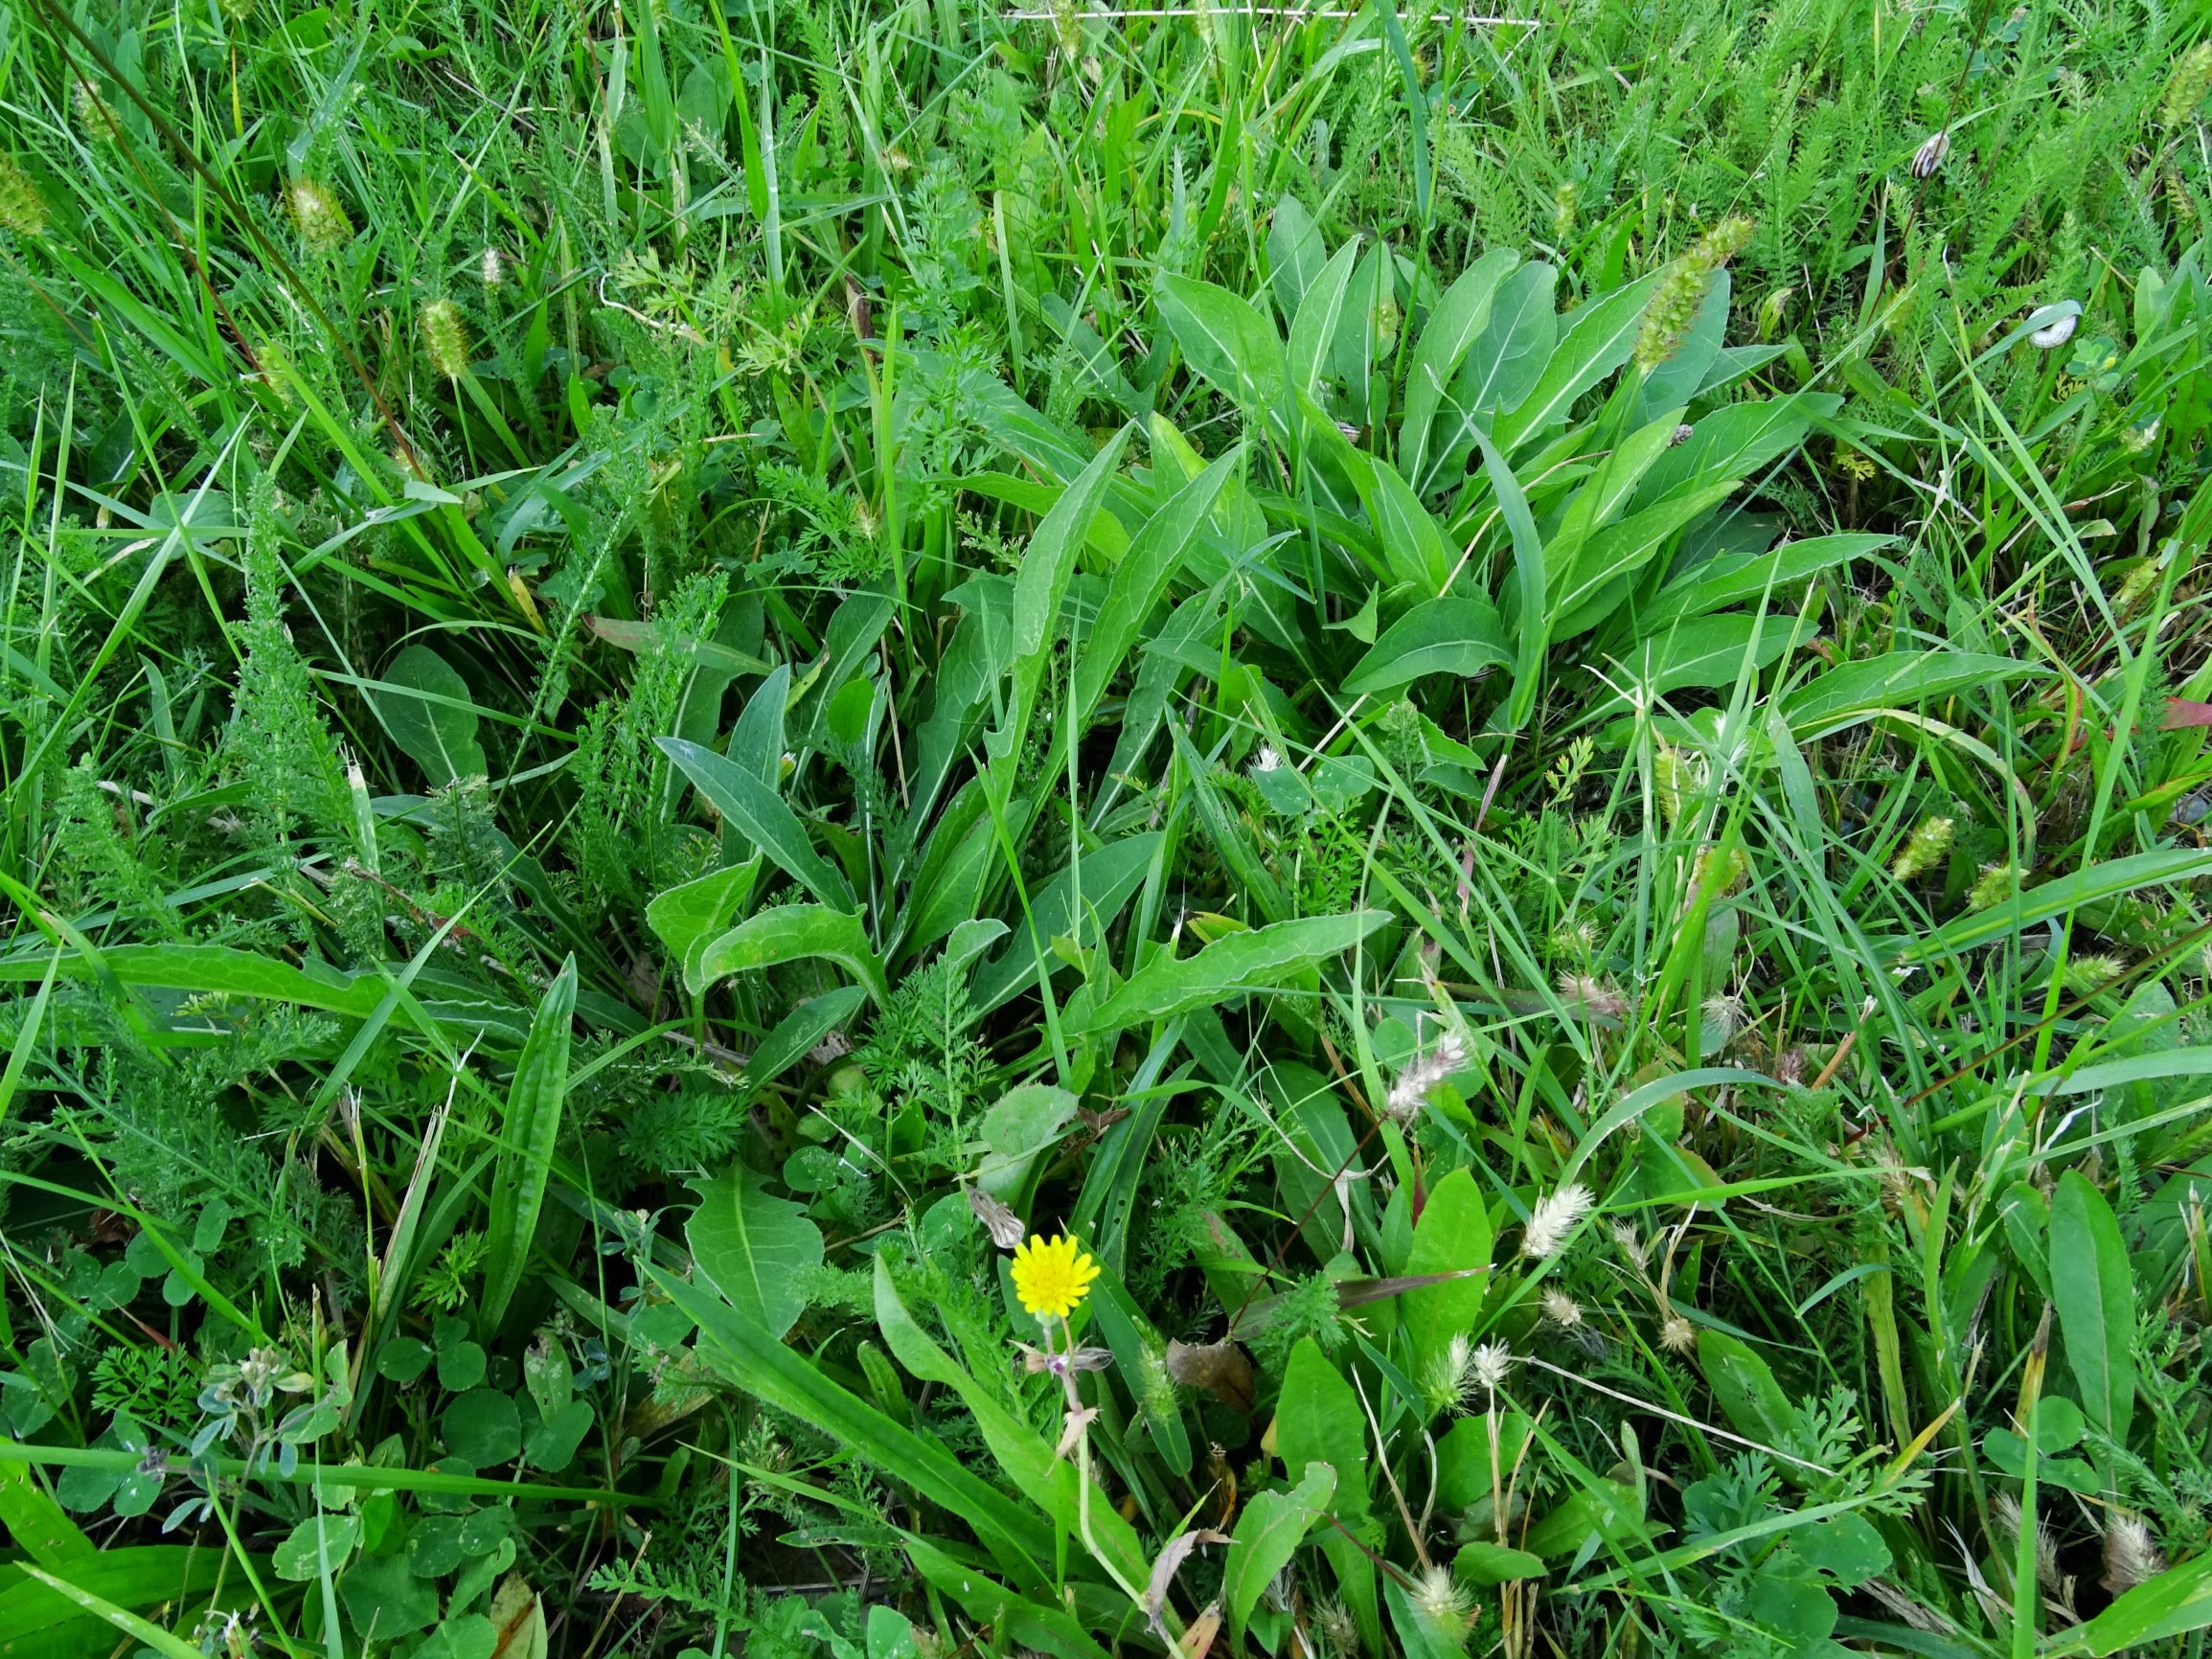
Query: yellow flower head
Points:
[1051, 1279]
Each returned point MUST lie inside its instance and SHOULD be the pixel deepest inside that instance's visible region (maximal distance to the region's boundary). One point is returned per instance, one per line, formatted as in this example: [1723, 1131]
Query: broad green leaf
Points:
[1530, 581]
[1319, 1421]
[1467, 1470]
[1450, 332]
[1320, 313]
[761, 815]
[1411, 541]
[1597, 342]
[800, 1031]
[740, 1349]
[1501, 369]
[1708, 650]
[426, 707]
[1229, 344]
[1605, 493]
[1479, 1565]
[317, 1546]
[1898, 679]
[1734, 442]
[1743, 1384]
[1078, 903]
[1596, 584]
[687, 916]
[2093, 1290]
[786, 932]
[1023, 1124]
[1039, 587]
[38, 1624]
[1254, 960]
[1677, 380]
[38, 1523]
[1296, 254]
[752, 1248]
[1269, 1533]
[72, 1589]
[1744, 578]
[528, 1135]
[1606, 1509]
[1846, 1547]
[1452, 1235]
[1142, 576]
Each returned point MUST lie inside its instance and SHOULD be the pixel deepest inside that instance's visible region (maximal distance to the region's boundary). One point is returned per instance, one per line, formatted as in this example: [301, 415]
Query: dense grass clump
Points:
[885, 832]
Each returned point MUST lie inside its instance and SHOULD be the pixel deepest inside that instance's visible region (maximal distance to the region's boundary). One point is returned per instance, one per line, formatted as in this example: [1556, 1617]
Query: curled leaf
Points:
[1164, 1570]
[1002, 1224]
[1220, 1368]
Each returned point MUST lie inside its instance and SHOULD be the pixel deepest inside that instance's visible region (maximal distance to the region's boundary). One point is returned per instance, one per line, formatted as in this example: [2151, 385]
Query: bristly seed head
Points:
[1676, 1334]
[1553, 1218]
[22, 207]
[1561, 1308]
[1406, 1096]
[318, 215]
[1440, 1600]
[2131, 1555]
[1923, 847]
[444, 338]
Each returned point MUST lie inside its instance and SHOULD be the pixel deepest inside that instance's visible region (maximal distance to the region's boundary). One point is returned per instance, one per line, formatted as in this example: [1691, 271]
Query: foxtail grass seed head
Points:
[1553, 1218]
[1566, 207]
[1444, 1602]
[1996, 884]
[1411, 1091]
[2132, 1554]
[238, 10]
[1930, 156]
[493, 267]
[22, 209]
[2086, 976]
[318, 215]
[1269, 758]
[2007, 1514]
[1676, 1334]
[1673, 307]
[2055, 334]
[1561, 1308]
[1340, 1630]
[1593, 996]
[2192, 81]
[1155, 1384]
[1923, 847]
[95, 115]
[444, 338]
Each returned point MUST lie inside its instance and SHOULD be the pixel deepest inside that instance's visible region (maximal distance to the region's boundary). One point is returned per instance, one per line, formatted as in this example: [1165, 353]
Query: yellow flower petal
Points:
[1052, 1278]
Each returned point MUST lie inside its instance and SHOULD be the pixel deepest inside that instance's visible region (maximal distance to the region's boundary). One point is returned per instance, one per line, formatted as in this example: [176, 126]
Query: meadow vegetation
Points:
[903, 830]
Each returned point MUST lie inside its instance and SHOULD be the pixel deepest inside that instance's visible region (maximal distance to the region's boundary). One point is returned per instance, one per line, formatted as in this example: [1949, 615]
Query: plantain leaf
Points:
[752, 1248]
[761, 815]
[2094, 1293]
[786, 932]
[526, 1137]
[1269, 1533]
[1253, 959]
[1459, 636]
[426, 707]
